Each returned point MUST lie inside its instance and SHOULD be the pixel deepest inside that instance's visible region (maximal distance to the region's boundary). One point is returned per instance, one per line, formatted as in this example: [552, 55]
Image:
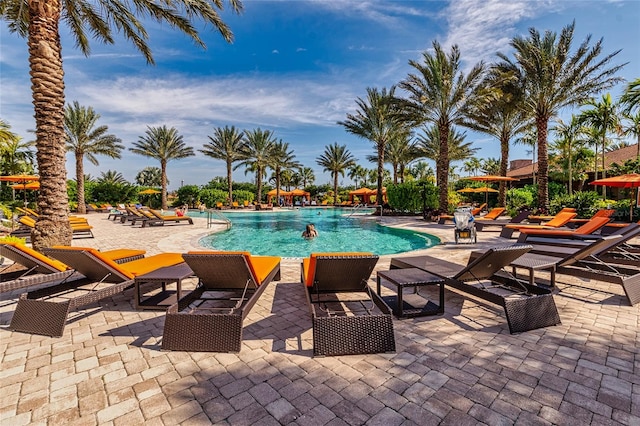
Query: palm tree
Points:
[225, 145]
[15, 155]
[551, 78]
[569, 141]
[84, 139]
[490, 166]
[501, 118]
[422, 171]
[150, 176]
[38, 21]
[376, 119]
[255, 154]
[630, 99]
[281, 158]
[603, 116]
[307, 177]
[429, 144]
[529, 138]
[162, 144]
[631, 127]
[399, 152]
[441, 94]
[336, 159]
[112, 177]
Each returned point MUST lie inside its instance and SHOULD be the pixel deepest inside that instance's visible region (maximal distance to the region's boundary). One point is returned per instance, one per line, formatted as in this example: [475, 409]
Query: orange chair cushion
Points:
[115, 254]
[309, 263]
[493, 214]
[151, 263]
[586, 229]
[56, 264]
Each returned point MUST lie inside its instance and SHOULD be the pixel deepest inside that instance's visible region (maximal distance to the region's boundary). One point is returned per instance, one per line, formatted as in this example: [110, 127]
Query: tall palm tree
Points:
[336, 159]
[472, 165]
[225, 145]
[440, 93]
[551, 78]
[86, 140]
[376, 119]
[16, 156]
[307, 177]
[399, 152]
[501, 118]
[356, 172]
[569, 141]
[602, 116]
[429, 144]
[255, 154]
[280, 159]
[38, 21]
[162, 144]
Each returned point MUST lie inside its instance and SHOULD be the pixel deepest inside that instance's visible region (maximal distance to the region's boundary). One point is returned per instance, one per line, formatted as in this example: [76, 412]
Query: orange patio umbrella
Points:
[31, 186]
[491, 178]
[631, 180]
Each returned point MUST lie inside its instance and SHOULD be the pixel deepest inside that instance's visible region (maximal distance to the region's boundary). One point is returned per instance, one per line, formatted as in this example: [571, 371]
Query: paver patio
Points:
[459, 368]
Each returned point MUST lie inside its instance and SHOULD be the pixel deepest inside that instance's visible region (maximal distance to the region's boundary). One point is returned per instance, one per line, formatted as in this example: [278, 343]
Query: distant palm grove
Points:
[516, 99]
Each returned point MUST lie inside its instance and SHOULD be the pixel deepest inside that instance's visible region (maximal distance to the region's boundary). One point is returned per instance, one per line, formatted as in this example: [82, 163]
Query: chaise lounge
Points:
[209, 319]
[527, 307]
[162, 219]
[45, 311]
[347, 317]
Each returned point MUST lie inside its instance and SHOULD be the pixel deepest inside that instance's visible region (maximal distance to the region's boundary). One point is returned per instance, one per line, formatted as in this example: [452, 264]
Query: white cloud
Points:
[275, 51]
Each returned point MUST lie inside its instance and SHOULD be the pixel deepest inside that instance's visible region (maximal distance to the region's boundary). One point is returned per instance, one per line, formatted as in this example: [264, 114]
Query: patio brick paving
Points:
[459, 368]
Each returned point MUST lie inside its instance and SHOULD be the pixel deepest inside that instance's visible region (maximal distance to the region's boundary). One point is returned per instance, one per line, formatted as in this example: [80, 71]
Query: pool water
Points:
[280, 233]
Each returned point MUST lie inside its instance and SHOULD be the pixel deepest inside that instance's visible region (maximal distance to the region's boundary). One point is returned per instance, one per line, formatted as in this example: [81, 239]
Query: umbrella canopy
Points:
[467, 190]
[149, 192]
[631, 180]
[23, 186]
[485, 189]
[360, 191]
[19, 178]
[491, 178]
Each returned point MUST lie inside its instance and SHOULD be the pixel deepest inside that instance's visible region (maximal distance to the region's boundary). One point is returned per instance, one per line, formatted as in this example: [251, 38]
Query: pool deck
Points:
[460, 368]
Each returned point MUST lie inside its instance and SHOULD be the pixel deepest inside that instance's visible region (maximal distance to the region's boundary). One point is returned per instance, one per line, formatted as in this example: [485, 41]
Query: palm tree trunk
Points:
[442, 166]
[604, 170]
[163, 182]
[504, 164]
[278, 187]
[570, 171]
[259, 183]
[380, 173]
[82, 209]
[335, 189]
[47, 82]
[543, 163]
[229, 171]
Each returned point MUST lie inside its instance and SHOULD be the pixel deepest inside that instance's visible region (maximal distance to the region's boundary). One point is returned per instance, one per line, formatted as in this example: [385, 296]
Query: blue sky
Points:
[295, 67]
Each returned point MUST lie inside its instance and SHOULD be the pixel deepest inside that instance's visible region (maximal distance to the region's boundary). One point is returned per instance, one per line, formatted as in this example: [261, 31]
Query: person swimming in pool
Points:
[310, 231]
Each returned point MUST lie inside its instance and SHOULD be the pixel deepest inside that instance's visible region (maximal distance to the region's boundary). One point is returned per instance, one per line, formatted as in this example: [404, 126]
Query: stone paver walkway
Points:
[456, 369]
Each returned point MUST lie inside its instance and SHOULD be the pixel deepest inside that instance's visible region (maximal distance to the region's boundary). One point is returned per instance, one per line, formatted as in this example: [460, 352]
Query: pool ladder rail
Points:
[215, 217]
[354, 209]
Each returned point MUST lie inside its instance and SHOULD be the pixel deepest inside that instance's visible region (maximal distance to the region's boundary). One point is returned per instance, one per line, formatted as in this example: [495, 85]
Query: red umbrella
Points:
[631, 180]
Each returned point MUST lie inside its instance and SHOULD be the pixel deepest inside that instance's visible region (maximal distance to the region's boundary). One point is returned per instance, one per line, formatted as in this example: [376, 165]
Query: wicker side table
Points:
[161, 277]
[412, 278]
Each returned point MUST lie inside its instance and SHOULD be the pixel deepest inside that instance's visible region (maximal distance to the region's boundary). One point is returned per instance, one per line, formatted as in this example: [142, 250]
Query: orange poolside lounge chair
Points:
[39, 269]
[162, 219]
[481, 224]
[586, 230]
[558, 220]
[79, 226]
[45, 311]
[538, 219]
[495, 213]
[209, 319]
[347, 317]
[474, 212]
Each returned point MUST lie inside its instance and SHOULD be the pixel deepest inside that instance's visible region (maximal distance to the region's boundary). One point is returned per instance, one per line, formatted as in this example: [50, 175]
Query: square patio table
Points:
[413, 278]
[160, 278]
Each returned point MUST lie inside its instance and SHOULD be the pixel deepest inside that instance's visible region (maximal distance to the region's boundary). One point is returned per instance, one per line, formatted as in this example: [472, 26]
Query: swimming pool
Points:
[279, 234]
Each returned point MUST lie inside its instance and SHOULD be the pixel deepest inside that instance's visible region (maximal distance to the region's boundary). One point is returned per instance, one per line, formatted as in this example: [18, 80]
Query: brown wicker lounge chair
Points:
[348, 318]
[79, 226]
[166, 219]
[209, 319]
[526, 306]
[595, 260]
[45, 311]
[40, 269]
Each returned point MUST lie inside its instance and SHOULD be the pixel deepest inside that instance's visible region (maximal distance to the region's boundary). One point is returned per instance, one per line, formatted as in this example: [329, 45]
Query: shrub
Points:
[242, 195]
[518, 199]
[212, 196]
[408, 196]
[586, 203]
